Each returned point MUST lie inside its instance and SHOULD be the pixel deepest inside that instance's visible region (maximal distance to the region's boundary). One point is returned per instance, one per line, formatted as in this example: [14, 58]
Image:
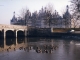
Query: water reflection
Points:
[27, 44]
[43, 48]
[1, 43]
[11, 44]
[20, 40]
[10, 41]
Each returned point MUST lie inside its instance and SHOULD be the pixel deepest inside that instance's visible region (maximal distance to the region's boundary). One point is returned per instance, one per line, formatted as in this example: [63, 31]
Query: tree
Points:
[75, 6]
[34, 18]
[23, 12]
[48, 14]
[25, 15]
[50, 8]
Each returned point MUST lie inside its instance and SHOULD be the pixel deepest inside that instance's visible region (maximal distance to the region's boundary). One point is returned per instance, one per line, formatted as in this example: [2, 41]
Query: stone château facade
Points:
[44, 19]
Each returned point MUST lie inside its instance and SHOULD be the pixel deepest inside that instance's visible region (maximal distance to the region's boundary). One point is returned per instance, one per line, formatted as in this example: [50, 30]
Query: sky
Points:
[7, 7]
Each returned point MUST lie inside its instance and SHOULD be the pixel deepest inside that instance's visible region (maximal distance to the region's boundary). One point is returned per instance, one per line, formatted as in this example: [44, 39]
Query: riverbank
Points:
[54, 33]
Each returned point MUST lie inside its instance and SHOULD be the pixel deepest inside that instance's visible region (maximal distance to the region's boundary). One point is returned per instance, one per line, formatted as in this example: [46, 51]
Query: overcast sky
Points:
[7, 7]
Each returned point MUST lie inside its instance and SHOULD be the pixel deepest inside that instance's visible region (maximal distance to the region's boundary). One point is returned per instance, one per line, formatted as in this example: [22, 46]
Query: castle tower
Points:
[67, 8]
[14, 13]
[67, 18]
[14, 19]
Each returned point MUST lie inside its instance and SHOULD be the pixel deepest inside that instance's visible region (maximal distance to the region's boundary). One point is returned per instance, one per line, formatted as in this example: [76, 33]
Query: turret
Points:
[67, 8]
[14, 14]
[14, 19]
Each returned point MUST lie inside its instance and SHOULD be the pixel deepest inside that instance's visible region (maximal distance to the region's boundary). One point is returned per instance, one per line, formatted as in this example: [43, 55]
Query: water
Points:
[39, 49]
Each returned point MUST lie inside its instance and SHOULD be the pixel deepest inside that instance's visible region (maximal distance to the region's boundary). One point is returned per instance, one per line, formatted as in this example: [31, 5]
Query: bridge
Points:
[12, 30]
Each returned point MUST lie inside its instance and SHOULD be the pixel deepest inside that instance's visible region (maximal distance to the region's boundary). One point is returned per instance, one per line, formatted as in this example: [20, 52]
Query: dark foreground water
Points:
[39, 49]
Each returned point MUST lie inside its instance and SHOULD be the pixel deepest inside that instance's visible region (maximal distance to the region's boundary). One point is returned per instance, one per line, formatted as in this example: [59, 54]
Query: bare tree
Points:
[48, 14]
[25, 13]
[75, 6]
[34, 18]
[50, 8]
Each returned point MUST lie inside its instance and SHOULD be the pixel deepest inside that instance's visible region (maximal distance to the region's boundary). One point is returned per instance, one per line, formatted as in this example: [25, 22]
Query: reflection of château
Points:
[38, 19]
[22, 44]
[45, 48]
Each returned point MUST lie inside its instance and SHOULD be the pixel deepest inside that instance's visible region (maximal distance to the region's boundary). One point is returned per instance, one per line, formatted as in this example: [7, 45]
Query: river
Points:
[39, 49]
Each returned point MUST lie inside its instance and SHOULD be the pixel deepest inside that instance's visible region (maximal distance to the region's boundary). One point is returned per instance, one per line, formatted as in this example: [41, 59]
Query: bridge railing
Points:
[12, 26]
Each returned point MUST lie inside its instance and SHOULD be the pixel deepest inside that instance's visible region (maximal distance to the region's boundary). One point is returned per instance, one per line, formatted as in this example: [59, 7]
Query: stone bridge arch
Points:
[13, 33]
[13, 30]
[1, 34]
[10, 33]
[20, 33]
